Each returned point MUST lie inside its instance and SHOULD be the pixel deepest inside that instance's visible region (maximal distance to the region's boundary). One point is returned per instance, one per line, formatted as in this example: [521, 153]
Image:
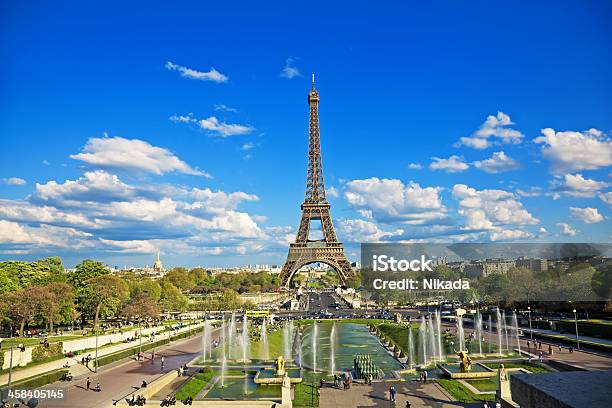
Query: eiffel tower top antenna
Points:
[313, 87]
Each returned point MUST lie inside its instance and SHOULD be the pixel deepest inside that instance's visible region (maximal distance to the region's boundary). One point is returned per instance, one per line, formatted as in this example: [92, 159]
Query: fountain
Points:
[499, 333]
[478, 328]
[431, 337]
[314, 339]
[422, 341]
[460, 334]
[245, 338]
[223, 352]
[286, 341]
[264, 347]
[332, 346]
[439, 335]
[505, 326]
[230, 335]
[206, 340]
[300, 352]
[291, 339]
[411, 362]
[516, 331]
[490, 335]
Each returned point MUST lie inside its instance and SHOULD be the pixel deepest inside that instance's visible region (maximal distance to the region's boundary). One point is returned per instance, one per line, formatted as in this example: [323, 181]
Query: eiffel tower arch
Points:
[315, 207]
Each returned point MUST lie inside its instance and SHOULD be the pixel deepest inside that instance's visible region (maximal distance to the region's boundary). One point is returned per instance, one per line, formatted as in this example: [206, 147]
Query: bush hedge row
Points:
[591, 329]
[572, 341]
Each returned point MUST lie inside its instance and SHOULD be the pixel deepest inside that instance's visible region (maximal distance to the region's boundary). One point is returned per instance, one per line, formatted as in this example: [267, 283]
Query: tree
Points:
[142, 306]
[179, 278]
[60, 303]
[602, 281]
[172, 300]
[199, 276]
[147, 286]
[85, 271]
[8, 283]
[23, 306]
[102, 296]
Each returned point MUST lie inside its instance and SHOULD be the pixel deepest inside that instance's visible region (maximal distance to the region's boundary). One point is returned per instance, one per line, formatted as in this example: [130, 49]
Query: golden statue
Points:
[466, 362]
[279, 366]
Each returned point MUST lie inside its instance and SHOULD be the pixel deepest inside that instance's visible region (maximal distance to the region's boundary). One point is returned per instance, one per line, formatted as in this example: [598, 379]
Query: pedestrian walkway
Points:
[377, 395]
[74, 363]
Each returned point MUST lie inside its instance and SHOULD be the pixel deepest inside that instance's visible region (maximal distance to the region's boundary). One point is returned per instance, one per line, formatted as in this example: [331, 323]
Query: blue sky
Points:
[131, 127]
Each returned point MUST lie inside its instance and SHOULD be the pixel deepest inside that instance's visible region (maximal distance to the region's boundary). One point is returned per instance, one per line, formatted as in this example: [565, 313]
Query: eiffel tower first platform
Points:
[315, 208]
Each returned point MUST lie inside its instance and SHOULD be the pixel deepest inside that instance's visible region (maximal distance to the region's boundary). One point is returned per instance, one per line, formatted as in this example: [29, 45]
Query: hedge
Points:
[111, 358]
[572, 341]
[586, 328]
[42, 379]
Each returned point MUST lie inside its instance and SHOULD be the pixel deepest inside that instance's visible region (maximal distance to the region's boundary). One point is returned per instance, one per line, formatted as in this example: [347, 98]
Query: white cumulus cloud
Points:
[499, 162]
[490, 209]
[14, 181]
[211, 75]
[566, 229]
[570, 151]
[453, 164]
[213, 125]
[494, 130]
[588, 215]
[132, 154]
[390, 200]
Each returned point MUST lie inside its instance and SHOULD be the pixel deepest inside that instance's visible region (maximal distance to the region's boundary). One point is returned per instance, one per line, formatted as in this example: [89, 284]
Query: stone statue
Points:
[466, 361]
[279, 366]
[286, 381]
[503, 384]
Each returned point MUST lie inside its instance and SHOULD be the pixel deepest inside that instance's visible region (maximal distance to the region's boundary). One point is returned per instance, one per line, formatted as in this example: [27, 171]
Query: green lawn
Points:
[305, 395]
[275, 344]
[487, 384]
[194, 385]
[462, 394]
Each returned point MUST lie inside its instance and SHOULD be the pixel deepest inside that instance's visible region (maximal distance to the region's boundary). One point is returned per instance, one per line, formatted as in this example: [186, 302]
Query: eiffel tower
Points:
[315, 208]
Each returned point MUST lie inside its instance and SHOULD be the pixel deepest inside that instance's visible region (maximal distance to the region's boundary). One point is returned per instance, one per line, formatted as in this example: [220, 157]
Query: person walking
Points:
[424, 377]
[88, 383]
[392, 393]
[163, 360]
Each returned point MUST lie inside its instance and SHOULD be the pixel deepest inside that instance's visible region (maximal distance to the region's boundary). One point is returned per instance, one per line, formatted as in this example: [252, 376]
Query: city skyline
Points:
[121, 142]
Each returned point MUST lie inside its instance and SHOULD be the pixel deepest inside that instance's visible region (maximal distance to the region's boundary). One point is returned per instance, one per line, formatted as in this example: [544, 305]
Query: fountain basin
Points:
[454, 372]
[268, 376]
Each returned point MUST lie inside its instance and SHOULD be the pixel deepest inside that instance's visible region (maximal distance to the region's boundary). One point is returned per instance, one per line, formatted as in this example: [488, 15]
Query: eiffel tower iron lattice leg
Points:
[315, 207]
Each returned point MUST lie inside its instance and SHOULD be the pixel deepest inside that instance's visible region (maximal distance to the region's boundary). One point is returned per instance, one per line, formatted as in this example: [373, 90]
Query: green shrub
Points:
[41, 380]
[42, 353]
[602, 330]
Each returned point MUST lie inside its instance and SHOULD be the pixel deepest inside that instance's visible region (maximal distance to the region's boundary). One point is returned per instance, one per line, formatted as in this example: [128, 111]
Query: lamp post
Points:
[10, 375]
[96, 359]
[576, 324]
[140, 335]
[530, 330]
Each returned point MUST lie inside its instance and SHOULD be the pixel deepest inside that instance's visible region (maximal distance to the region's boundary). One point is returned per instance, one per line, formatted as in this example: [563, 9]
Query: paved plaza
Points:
[377, 395]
